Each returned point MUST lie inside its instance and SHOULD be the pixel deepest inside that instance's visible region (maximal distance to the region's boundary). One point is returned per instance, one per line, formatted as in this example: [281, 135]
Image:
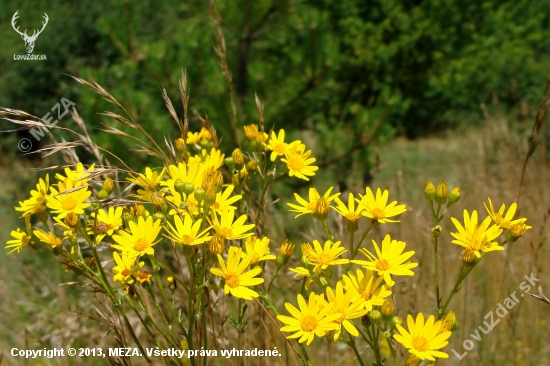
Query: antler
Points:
[35, 33]
[13, 21]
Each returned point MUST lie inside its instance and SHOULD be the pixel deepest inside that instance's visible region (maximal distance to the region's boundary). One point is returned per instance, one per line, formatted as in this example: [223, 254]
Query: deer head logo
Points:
[29, 40]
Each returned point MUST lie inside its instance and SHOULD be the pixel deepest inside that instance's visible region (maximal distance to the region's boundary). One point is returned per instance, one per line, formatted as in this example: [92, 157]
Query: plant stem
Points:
[436, 274]
[351, 343]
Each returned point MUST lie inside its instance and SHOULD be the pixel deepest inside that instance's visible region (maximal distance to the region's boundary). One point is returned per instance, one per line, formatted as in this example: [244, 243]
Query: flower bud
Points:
[252, 165]
[412, 360]
[144, 278]
[101, 195]
[375, 316]
[365, 321]
[217, 244]
[158, 216]
[71, 219]
[453, 196]
[188, 250]
[205, 134]
[199, 194]
[250, 132]
[517, 231]
[321, 209]
[441, 195]
[139, 210]
[287, 248]
[386, 334]
[127, 216]
[156, 199]
[396, 321]
[436, 230]
[230, 163]
[306, 252]
[429, 191]
[388, 309]
[172, 283]
[178, 144]
[210, 196]
[41, 214]
[179, 186]
[206, 180]
[238, 159]
[468, 257]
[217, 180]
[352, 226]
[445, 326]
[451, 317]
[108, 185]
[188, 188]
[130, 291]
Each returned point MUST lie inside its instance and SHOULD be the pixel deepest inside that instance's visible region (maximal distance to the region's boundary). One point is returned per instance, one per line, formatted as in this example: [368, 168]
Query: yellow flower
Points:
[237, 280]
[376, 208]
[327, 255]
[228, 229]
[141, 238]
[63, 203]
[298, 163]
[250, 131]
[78, 177]
[186, 232]
[349, 212]
[309, 321]
[277, 144]
[37, 202]
[20, 240]
[363, 285]
[309, 207]
[147, 195]
[224, 202]
[345, 306]
[422, 339]
[389, 261]
[107, 222]
[193, 138]
[257, 249]
[126, 268]
[213, 160]
[502, 220]
[476, 238]
[192, 172]
[149, 180]
[48, 238]
[204, 134]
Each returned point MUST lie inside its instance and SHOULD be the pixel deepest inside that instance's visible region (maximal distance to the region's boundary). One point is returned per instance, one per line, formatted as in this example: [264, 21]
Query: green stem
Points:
[304, 353]
[351, 343]
[327, 230]
[133, 334]
[273, 278]
[436, 274]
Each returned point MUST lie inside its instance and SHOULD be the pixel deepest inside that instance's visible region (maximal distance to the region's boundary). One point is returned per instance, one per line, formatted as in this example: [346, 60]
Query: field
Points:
[483, 162]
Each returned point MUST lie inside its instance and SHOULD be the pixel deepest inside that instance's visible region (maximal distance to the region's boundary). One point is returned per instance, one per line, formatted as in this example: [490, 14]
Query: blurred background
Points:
[386, 93]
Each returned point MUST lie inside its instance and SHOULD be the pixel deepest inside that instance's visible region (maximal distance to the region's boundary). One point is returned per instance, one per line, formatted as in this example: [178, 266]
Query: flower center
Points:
[309, 323]
[382, 265]
[126, 272]
[216, 205]
[324, 258]
[140, 245]
[378, 213]
[340, 319]
[254, 257]
[279, 148]
[420, 343]
[296, 163]
[225, 232]
[352, 216]
[232, 280]
[68, 204]
[187, 239]
[312, 205]
[365, 295]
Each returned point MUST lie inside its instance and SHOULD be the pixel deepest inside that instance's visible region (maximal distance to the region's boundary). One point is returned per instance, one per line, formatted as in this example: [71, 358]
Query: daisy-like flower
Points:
[224, 201]
[423, 338]
[349, 212]
[365, 286]
[277, 144]
[309, 321]
[212, 160]
[345, 306]
[502, 220]
[79, 176]
[227, 228]
[20, 240]
[309, 207]
[147, 195]
[298, 163]
[37, 202]
[48, 238]
[186, 232]
[376, 208]
[107, 222]
[191, 172]
[126, 268]
[325, 256]
[141, 238]
[257, 249]
[150, 180]
[388, 261]
[477, 238]
[63, 203]
[236, 279]
[193, 138]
